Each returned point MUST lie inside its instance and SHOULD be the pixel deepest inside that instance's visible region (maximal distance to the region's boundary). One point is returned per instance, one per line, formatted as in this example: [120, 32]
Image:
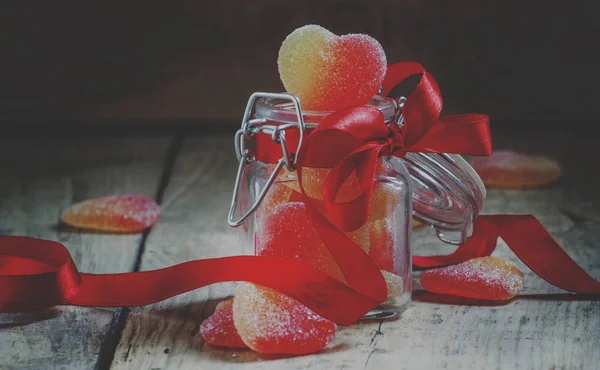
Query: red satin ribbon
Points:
[36, 274]
[530, 241]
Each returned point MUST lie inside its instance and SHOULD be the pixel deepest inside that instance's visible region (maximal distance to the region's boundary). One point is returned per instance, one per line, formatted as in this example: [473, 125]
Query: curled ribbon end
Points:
[35, 274]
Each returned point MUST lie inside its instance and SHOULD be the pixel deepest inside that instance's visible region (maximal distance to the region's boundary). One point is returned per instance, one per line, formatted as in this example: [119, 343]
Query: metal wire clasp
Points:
[251, 127]
[399, 102]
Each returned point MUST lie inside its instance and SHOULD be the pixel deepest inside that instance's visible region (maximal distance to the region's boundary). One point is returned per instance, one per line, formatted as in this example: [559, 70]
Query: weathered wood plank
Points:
[39, 179]
[541, 329]
[194, 210]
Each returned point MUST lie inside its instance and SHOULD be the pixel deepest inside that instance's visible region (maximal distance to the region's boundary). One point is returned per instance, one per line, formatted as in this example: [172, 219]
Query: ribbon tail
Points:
[315, 289]
[37, 274]
[532, 244]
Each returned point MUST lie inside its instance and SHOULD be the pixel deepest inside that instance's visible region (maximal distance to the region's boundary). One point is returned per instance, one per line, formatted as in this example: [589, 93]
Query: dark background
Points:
[528, 64]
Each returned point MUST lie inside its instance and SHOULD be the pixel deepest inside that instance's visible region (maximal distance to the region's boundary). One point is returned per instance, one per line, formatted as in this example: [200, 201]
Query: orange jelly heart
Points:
[329, 72]
[511, 170]
[219, 329]
[489, 278]
[115, 213]
[270, 322]
[393, 282]
[276, 195]
[382, 251]
[313, 179]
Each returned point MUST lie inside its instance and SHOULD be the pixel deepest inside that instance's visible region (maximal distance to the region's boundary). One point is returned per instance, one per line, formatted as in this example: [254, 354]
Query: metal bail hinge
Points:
[251, 127]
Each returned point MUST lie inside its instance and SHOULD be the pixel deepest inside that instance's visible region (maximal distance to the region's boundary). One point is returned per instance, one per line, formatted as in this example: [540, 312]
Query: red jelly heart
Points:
[270, 322]
[287, 232]
[219, 329]
[508, 169]
[115, 213]
[490, 278]
[330, 72]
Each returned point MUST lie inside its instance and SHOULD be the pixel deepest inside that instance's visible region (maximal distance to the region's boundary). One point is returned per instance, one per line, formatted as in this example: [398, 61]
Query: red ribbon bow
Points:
[353, 139]
[35, 273]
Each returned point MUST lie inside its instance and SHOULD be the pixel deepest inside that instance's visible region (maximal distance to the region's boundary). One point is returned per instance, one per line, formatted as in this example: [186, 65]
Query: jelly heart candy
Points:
[288, 232]
[330, 72]
[313, 179]
[489, 278]
[219, 329]
[276, 195]
[270, 322]
[393, 282]
[115, 213]
[382, 251]
[508, 169]
[361, 237]
[383, 200]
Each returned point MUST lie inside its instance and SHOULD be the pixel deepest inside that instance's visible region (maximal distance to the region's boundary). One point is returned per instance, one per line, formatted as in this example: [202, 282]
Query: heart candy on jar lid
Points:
[330, 72]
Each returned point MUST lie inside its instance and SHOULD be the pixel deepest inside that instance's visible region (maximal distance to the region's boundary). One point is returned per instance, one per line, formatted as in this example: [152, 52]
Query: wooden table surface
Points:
[191, 177]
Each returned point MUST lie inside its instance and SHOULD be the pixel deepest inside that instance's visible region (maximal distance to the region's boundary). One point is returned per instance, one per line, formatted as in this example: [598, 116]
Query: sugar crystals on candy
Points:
[490, 278]
[115, 213]
[270, 322]
[288, 232]
[219, 329]
[394, 283]
[383, 250]
[329, 72]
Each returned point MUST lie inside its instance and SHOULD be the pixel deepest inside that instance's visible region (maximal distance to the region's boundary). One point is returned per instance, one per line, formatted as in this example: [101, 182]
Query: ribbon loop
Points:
[35, 274]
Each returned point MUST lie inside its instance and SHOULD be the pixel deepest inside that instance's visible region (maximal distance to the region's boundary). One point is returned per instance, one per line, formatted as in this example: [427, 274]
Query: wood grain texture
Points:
[165, 335]
[541, 329]
[39, 179]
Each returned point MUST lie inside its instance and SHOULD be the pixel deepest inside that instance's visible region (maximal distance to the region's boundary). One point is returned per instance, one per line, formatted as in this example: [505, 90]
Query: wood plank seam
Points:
[109, 346]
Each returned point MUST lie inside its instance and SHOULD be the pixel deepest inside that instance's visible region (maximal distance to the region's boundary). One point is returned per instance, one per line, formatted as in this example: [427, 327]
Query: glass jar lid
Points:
[447, 192]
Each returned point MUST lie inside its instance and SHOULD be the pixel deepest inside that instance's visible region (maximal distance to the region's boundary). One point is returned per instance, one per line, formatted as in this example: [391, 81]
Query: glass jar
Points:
[441, 190]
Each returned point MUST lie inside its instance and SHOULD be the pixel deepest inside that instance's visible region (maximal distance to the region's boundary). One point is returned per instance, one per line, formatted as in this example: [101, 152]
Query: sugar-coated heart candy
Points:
[489, 278]
[313, 179]
[115, 213]
[394, 283]
[277, 194]
[511, 170]
[281, 193]
[330, 72]
[288, 232]
[382, 251]
[270, 322]
[361, 237]
[383, 200]
[219, 329]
